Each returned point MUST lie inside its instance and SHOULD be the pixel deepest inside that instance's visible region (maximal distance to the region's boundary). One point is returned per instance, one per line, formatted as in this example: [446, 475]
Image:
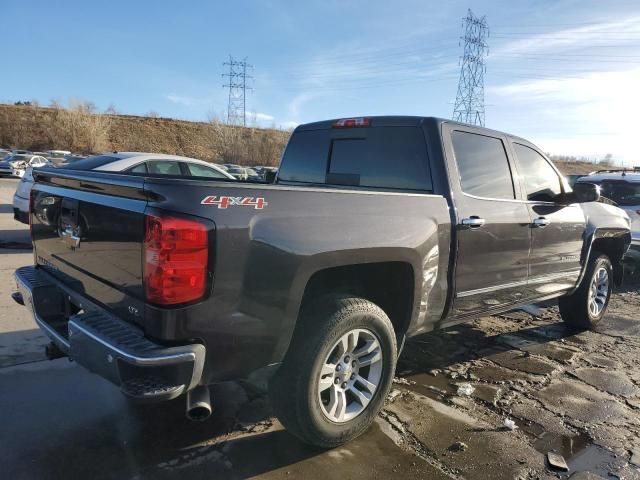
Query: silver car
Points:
[623, 188]
[125, 162]
[17, 164]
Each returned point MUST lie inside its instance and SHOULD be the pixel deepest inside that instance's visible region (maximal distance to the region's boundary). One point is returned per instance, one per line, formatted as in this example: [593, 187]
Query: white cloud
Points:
[181, 100]
[187, 101]
[262, 117]
[299, 100]
[618, 32]
[591, 115]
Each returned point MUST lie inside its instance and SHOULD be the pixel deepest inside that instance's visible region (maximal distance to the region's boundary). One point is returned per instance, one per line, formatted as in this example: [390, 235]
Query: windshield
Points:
[621, 192]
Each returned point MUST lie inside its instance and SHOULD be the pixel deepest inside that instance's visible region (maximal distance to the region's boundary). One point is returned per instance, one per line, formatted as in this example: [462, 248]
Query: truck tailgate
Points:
[88, 231]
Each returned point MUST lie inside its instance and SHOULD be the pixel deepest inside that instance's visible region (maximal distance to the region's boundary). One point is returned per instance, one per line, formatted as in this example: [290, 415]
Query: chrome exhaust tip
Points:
[198, 404]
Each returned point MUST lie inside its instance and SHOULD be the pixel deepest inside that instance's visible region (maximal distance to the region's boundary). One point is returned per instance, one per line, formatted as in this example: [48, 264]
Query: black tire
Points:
[294, 390]
[574, 309]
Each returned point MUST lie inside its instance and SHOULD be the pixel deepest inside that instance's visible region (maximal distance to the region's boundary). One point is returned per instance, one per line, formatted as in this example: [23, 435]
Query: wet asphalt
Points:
[573, 393]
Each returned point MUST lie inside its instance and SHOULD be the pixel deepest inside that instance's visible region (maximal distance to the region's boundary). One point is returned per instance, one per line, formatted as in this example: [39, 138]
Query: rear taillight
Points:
[352, 122]
[176, 259]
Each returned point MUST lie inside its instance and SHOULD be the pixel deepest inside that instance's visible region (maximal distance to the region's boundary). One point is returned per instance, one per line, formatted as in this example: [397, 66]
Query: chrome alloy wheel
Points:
[350, 375]
[598, 291]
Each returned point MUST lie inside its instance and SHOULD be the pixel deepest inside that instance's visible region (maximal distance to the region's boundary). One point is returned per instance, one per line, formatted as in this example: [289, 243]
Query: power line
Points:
[469, 106]
[237, 106]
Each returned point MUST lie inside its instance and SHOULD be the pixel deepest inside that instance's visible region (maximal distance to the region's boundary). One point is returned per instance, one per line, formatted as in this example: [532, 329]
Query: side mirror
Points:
[586, 192]
[582, 193]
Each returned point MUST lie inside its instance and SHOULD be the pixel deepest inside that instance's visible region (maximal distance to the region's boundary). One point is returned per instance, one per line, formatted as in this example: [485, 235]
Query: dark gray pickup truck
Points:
[376, 229]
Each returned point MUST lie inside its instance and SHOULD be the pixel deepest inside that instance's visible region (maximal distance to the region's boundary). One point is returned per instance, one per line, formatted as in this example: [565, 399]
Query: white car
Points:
[152, 164]
[57, 156]
[622, 187]
[17, 164]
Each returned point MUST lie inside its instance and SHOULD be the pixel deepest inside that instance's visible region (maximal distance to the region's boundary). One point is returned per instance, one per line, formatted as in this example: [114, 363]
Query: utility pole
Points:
[237, 85]
[469, 106]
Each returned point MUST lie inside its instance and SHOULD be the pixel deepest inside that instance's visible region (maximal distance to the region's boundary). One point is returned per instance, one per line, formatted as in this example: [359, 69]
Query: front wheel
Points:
[338, 371]
[588, 304]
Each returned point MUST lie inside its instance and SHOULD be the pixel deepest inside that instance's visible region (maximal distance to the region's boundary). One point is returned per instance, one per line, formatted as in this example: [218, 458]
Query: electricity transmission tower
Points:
[469, 106]
[237, 85]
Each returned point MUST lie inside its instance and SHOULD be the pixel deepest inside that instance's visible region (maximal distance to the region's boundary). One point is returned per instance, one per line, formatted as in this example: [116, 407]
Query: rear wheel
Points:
[588, 304]
[338, 371]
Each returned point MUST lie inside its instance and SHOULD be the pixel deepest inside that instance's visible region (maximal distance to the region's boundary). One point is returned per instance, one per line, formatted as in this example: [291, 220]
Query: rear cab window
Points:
[386, 157]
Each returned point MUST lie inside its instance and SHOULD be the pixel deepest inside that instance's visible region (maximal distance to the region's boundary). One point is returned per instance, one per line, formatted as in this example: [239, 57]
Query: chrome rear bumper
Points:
[106, 345]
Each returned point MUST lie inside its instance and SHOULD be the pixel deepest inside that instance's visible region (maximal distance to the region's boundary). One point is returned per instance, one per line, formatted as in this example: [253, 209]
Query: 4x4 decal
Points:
[223, 201]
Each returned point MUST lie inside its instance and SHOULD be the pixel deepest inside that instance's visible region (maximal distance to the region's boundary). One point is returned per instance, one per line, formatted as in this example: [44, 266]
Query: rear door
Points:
[493, 237]
[556, 230]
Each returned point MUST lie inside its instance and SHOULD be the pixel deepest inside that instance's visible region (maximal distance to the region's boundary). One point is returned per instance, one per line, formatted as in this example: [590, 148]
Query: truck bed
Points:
[268, 241]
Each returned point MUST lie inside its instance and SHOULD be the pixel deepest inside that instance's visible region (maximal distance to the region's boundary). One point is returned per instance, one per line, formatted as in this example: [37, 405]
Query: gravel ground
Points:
[576, 394]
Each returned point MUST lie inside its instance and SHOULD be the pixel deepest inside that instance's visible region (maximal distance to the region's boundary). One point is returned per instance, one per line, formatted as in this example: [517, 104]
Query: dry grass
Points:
[81, 130]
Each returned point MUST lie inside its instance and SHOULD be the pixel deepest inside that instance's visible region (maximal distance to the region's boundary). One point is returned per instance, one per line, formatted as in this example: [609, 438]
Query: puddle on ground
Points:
[435, 387]
[580, 454]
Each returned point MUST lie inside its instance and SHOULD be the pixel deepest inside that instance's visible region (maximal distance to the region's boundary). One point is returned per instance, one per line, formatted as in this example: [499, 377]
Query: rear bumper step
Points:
[109, 346]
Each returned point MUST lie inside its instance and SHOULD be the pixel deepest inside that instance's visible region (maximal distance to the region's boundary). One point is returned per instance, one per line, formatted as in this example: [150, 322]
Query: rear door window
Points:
[483, 165]
[540, 180]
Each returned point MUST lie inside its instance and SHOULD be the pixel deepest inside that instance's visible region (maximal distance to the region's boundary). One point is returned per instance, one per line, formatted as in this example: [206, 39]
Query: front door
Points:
[493, 230]
[556, 230]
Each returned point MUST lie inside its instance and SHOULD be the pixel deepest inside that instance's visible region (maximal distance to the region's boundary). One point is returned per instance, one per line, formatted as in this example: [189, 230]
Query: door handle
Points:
[541, 222]
[473, 221]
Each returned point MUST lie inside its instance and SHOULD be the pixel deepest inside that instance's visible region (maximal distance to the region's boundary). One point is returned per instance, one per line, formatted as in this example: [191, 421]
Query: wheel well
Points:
[390, 285]
[614, 249]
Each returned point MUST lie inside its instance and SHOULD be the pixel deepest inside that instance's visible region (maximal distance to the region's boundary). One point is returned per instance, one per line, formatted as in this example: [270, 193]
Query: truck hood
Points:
[601, 215]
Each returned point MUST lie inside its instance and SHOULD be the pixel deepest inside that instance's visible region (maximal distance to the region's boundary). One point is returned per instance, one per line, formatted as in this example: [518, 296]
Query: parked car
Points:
[238, 172]
[57, 156]
[266, 173]
[131, 162]
[4, 153]
[17, 164]
[377, 229]
[622, 186]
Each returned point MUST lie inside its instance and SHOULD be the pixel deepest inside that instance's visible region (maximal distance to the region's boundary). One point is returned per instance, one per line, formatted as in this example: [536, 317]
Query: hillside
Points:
[79, 130]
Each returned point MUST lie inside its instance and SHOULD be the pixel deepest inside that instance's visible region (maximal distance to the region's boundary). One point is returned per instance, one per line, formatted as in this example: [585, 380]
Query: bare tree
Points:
[111, 110]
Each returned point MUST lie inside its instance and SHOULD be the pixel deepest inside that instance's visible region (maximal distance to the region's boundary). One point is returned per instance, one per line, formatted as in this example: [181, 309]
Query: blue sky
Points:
[562, 73]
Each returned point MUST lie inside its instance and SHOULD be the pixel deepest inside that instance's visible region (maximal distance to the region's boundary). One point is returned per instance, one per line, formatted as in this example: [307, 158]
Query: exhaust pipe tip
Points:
[198, 404]
[52, 351]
